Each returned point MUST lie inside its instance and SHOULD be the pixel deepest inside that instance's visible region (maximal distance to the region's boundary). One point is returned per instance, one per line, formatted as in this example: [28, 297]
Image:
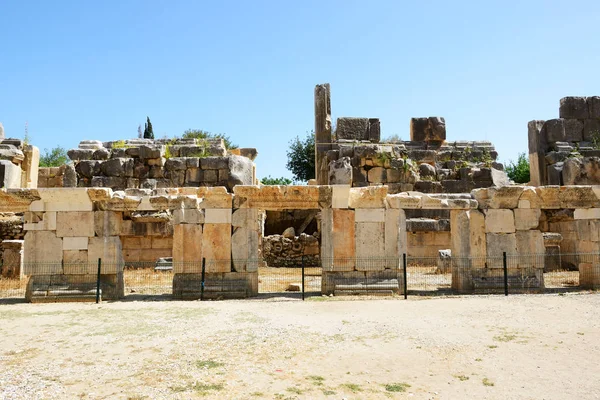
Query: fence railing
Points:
[408, 275]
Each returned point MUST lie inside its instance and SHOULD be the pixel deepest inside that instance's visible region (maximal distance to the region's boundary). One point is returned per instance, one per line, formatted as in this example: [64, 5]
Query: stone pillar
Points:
[323, 136]
[12, 256]
[537, 153]
[469, 249]
[30, 167]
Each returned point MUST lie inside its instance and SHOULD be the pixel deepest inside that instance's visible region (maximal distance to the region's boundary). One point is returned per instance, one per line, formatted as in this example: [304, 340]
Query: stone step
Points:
[64, 298]
[514, 282]
[337, 292]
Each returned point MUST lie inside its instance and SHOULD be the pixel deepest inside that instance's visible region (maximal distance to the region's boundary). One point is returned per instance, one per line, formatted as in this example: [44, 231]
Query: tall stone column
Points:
[323, 137]
[537, 152]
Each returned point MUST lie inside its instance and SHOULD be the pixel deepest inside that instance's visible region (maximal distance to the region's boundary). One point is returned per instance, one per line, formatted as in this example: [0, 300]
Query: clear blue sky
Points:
[95, 69]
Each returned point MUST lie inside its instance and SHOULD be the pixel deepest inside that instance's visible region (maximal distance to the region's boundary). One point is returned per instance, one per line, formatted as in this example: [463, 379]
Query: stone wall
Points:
[566, 150]
[151, 164]
[57, 177]
[19, 164]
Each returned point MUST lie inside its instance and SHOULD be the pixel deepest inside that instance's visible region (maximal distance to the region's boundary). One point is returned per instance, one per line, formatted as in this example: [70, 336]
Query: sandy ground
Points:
[484, 347]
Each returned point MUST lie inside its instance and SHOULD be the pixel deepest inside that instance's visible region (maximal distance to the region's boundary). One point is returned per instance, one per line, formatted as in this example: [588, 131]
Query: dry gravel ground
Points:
[520, 347]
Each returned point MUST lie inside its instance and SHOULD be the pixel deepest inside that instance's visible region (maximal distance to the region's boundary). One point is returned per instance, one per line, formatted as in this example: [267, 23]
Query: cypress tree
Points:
[148, 132]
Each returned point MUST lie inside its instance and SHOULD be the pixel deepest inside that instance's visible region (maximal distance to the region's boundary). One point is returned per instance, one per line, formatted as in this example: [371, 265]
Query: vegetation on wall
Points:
[54, 158]
[301, 157]
[200, 134]
[519, 171]
[276, 181]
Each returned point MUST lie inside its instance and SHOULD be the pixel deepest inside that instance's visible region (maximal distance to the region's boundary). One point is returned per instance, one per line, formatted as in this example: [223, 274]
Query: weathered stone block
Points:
[427, 129]
[589, 275]
[340, 172]
[368, 197]
[188, 216]
[216, 247]
[594, 107]
[340, 196]
[370, 246]
[75, 243]
[499, 221]
[370, 215]
[108, 249]
[187, 248]
[43, 253]
[352, 128]
[377, 175]
[554, 130]
[107, 223]
[76, 263]
[395, 237]
[574, 108]
[527, 218]
[217, 216]
[573, 130]
[240, 171]
[10, 175]
[497, 244]
[344, 247]
[591, 129]
[76, 223]
[214, 163]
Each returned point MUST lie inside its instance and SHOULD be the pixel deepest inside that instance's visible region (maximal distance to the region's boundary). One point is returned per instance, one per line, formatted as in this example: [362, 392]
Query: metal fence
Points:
[405, 276]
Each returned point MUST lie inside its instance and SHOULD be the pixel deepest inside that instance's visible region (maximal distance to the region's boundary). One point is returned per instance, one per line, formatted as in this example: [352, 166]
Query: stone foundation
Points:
[388, 281]
[232, 285]
[61, 287]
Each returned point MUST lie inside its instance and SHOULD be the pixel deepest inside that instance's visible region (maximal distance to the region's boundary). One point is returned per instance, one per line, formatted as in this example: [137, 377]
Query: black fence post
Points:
[98, 281]
[203, 276]
[404, 274]
[303, 278]
[505, 265]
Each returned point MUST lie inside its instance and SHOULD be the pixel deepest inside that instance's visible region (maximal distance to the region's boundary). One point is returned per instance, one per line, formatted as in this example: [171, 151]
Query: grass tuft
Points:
[397, 387]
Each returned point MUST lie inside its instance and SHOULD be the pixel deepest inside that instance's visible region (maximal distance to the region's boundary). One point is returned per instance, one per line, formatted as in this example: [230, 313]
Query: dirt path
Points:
[520, 347]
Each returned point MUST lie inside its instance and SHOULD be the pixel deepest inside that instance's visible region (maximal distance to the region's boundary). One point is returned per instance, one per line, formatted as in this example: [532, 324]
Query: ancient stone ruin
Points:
[373, 204]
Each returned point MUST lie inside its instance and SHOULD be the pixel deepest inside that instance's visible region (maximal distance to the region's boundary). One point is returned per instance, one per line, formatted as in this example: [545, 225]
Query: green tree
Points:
[54, 158]
[519, 171]
[148, 131]
[301, 157]
[200, 134]
[276, 181]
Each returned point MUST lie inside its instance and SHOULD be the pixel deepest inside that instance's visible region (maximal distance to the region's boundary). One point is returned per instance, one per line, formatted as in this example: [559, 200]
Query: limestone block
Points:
[240, 171]
[216, 247]
[187, 248]
[395, 237]
[377, 175]
[549, 196]
[370, 246]
[428, 129]
[352, 128]
[343, 240]
[30, 167]
[468, 233]
[109, 250]
[10, 174]
[282, 197]
[531, 249]
[587, 246]
[530, 199]
[64, 199]
[497, 244]
[239, 249]
[75, 223]
[217, 216]
[587, 229]
[340, 197]
[578, 197]
[573, 130]
[76, 263]
[108, 223]
[498, 197]
[75, 243]
[370, 215]
[554, 130]
[589, 275]
[527, 218]
[188, 216]
[368, 197]
[12, 259]
[43, 253]
[574, 108]
[214, 197]
[162, 243]
[340, 171]
[327, 239]
[408, 200]
[587, 213]
[499, 221]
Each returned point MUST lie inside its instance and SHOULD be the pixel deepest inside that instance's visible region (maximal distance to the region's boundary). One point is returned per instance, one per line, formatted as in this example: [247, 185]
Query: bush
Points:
[54, 158]
[519, 171]
[200, 134]
[276, 181]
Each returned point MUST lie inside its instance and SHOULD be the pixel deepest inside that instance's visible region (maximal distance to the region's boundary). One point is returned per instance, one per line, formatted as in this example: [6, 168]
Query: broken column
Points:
[12, 259]
[322, 132]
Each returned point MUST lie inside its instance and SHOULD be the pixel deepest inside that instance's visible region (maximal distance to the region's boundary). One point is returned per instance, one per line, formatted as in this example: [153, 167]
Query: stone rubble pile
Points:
[280, 251]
